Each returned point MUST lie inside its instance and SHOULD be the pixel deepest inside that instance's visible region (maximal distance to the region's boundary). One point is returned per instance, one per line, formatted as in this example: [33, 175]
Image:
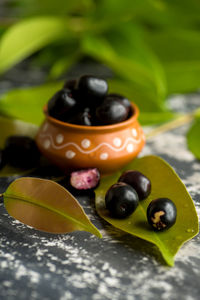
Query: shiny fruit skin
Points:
[138, 181]
[111, 112]
[82, 118]
[21, 152]
[92, 90]
[121, 200]
[121, 99]
[161, 214]
[70, 84]
[62, 105]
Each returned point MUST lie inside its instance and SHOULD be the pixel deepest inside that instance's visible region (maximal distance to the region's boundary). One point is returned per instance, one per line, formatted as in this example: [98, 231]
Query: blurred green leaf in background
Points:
[152, 48]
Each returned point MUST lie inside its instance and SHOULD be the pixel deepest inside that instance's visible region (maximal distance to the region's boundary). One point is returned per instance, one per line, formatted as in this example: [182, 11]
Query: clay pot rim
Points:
[119, 126]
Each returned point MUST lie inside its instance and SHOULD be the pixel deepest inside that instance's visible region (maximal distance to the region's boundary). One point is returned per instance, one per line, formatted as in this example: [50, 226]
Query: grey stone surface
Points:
[37, 265]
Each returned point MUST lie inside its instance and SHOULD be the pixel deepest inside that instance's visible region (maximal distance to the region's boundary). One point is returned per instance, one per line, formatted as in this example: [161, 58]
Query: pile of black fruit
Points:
[86, 102]
[19, 152]
[123, 198]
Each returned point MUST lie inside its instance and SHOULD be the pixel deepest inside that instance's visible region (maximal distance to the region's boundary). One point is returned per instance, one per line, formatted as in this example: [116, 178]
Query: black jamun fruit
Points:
[161, 214]
[82, 118]
[138, 181]
[70, 84]
[21, 152]
[111, 112]
[91, 89]
[3, 160]
[122, 100]
[121, 200]
[62, 105]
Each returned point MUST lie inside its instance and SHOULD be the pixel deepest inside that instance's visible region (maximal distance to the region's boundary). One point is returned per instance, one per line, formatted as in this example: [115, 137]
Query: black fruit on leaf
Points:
[138, 181]
[121, 200]
[161, 214]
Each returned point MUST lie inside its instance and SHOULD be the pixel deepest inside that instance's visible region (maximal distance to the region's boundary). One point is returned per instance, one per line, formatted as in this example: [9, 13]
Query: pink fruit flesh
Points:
[85, 179]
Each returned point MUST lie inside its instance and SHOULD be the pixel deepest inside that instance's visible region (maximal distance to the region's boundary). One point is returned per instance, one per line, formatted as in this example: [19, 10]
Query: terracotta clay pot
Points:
[107, 148]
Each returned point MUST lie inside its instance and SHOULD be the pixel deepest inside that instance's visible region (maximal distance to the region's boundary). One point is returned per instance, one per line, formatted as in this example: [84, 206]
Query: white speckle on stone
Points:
[46, 144]
[104, 156]
[130, 148]
[67, 296]
[70, 154]
[134, 132]
[52, 267]
[85, 143]
[111, 281]
[105, 266]
[103, 289]
[117, 142]
[7, 283]
[4, 264]
[59, 138]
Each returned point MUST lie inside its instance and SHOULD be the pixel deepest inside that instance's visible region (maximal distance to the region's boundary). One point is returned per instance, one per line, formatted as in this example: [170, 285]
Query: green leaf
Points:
[151, 112]
[115, 11]
[128, 42]
[151, 118]
[132, 62]
[152, 14]
[28, 36]
[63, 65]
[165, 183]
[47, 206]
[30, 102]
[183, 77]
[193, 138]
[52, 7]
[179, 52]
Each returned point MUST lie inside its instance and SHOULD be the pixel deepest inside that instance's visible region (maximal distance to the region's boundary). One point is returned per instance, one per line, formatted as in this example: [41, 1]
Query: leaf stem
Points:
[180, 121]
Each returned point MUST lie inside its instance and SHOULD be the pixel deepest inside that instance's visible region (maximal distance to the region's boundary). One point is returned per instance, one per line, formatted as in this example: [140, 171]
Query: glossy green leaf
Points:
[151, 118]
[179, 52]
[193, 138]
[165, 183]
[47, 206]
[30, 102]
[126, 67]
[153, 14]
[63, 65]
[52, 7]
[28, 36]
[128, 42]
[151, 112]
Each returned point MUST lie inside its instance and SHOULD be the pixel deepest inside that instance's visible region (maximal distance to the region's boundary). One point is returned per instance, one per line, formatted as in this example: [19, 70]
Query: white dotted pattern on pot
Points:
[59, 138]
[70, 154]
[116, 146]
[85, 143]
[103, 156]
